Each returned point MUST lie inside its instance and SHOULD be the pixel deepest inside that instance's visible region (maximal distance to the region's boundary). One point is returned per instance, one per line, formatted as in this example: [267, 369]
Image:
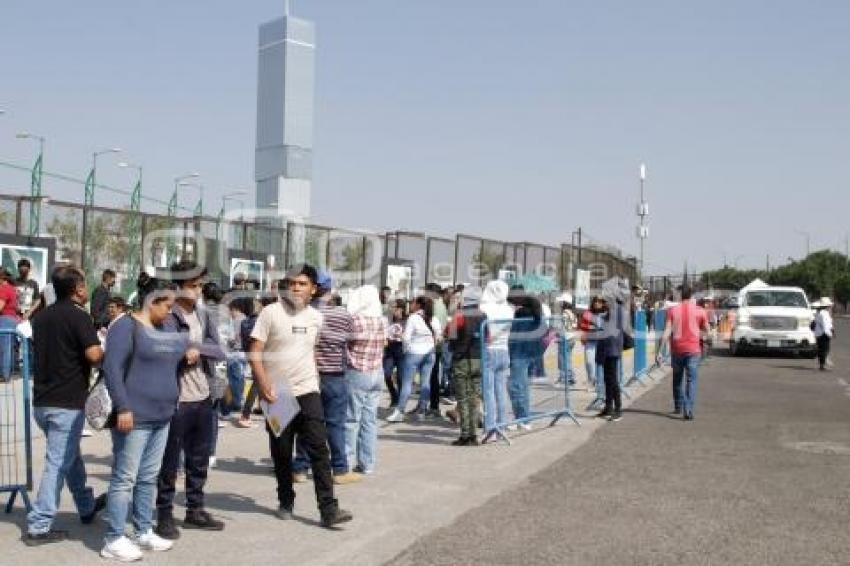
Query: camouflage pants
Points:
[467, 382]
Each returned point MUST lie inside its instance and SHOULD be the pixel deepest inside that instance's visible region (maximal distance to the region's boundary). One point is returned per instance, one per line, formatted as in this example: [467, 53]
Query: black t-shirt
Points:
[61, 334]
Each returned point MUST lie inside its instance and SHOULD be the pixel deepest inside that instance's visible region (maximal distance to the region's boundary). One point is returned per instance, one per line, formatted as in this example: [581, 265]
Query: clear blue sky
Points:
[514, 120]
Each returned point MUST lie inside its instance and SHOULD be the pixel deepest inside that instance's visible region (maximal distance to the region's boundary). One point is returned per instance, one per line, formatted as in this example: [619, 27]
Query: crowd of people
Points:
[178, 362]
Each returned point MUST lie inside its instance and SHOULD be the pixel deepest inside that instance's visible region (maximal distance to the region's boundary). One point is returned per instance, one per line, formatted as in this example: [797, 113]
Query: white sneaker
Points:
[151, 541]
[121, 549]
[212, 461]
[395, 417]
[511, 428]
[524, 427]
[87, 433]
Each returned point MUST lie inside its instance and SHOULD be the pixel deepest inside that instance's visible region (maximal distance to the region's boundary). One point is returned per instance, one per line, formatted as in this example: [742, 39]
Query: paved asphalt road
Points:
[762, 476]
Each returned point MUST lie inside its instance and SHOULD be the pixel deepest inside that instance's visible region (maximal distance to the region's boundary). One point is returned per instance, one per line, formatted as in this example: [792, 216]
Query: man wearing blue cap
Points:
[330, 360]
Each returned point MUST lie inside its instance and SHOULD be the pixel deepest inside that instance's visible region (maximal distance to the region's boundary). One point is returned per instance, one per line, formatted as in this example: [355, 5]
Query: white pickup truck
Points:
[773, 319]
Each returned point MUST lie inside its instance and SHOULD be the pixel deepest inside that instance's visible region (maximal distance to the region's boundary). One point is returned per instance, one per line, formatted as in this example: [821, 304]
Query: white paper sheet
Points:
[280, 413]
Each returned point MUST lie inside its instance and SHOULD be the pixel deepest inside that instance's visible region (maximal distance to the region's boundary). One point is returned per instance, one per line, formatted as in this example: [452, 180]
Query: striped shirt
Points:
[366, 345]
[330, 348]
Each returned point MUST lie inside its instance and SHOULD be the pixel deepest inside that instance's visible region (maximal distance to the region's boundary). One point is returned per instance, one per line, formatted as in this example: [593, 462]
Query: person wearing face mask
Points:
[191, 430]
[282, 357]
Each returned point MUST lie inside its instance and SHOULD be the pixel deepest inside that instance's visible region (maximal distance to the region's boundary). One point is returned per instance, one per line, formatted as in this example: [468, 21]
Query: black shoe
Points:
[462, 441]
[99, 505]
[472, 441]
[689, 416]
[45, 538]
[200, 519]
[166, 527]
[616, 416]
[283, 513]
[337, 517]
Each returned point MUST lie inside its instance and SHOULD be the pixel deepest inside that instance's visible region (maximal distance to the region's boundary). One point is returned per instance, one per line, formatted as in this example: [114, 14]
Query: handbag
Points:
[99, 410]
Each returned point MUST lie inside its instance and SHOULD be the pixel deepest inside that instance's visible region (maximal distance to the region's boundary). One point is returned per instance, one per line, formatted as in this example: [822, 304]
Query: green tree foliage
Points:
[822, 274]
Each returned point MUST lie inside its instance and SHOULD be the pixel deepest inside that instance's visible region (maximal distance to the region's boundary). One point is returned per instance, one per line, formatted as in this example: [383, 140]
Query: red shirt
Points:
[9, 294]
[687, 319]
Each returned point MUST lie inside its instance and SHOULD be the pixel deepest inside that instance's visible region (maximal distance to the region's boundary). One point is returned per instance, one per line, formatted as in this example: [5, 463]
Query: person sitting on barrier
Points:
[394, 350]
[525, 346]
[495, 373]
[140, 368]
[591, 323]
[66, 346]
[609, 353]
[464, 333]
[421, 334]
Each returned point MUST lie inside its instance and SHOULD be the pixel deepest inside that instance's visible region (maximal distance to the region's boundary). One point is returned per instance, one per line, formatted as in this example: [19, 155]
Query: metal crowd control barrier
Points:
[15, 427]
[641, 338]
[564, 357]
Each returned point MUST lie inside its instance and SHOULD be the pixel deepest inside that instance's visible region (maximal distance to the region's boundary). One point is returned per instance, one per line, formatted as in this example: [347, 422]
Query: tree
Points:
[489, 261]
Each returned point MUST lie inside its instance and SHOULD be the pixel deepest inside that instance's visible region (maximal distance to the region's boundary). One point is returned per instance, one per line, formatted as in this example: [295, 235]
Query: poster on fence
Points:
[246, 274]
[582, 290]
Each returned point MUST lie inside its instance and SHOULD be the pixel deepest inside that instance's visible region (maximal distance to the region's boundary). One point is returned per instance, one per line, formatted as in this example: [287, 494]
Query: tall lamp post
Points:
[134, 226]
[35, 183]
[88, 202]
[172, 209]
[229, 197]
[643, 213]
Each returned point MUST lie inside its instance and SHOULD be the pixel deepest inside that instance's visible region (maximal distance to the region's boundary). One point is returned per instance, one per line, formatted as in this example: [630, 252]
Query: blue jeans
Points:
[136, 459]
[565, 362]
[413, 364]
[62, 463]
[685, 397]
[494, 379]
[446, 369]
[518, 386]
[236, 379]
[593, 370]
[7, 346]
[361, 427]
[335, 391]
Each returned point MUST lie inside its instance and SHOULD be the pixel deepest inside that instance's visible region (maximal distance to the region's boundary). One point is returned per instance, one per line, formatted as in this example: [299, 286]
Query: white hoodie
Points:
[494, 303]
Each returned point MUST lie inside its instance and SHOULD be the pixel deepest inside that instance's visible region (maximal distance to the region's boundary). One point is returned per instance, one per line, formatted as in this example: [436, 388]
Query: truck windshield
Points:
[793, 299]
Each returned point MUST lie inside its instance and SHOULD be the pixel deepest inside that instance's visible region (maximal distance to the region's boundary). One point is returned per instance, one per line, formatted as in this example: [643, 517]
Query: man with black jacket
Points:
[100, 298]
[465, 338]
[191, 429]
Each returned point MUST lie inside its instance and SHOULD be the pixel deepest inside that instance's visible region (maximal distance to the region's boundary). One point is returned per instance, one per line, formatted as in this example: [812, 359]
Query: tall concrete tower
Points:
[283, 166]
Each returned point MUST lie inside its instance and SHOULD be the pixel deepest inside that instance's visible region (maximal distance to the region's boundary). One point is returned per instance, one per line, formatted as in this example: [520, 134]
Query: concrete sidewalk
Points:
[421, 484]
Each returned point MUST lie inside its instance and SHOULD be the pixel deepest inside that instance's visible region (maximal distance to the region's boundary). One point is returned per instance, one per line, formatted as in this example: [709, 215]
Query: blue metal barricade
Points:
[491, 381]
[15, 426]
[641, 336]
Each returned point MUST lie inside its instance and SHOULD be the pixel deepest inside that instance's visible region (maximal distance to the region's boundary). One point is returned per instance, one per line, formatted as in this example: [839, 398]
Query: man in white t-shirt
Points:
[282, 357]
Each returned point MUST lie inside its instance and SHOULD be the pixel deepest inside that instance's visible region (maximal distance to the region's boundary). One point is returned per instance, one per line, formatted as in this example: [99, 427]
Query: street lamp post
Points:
[229, 197]
[172, 209]
[88, 202]
[642, 213]
[35, 184]
[134, 227]
[179, 182]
